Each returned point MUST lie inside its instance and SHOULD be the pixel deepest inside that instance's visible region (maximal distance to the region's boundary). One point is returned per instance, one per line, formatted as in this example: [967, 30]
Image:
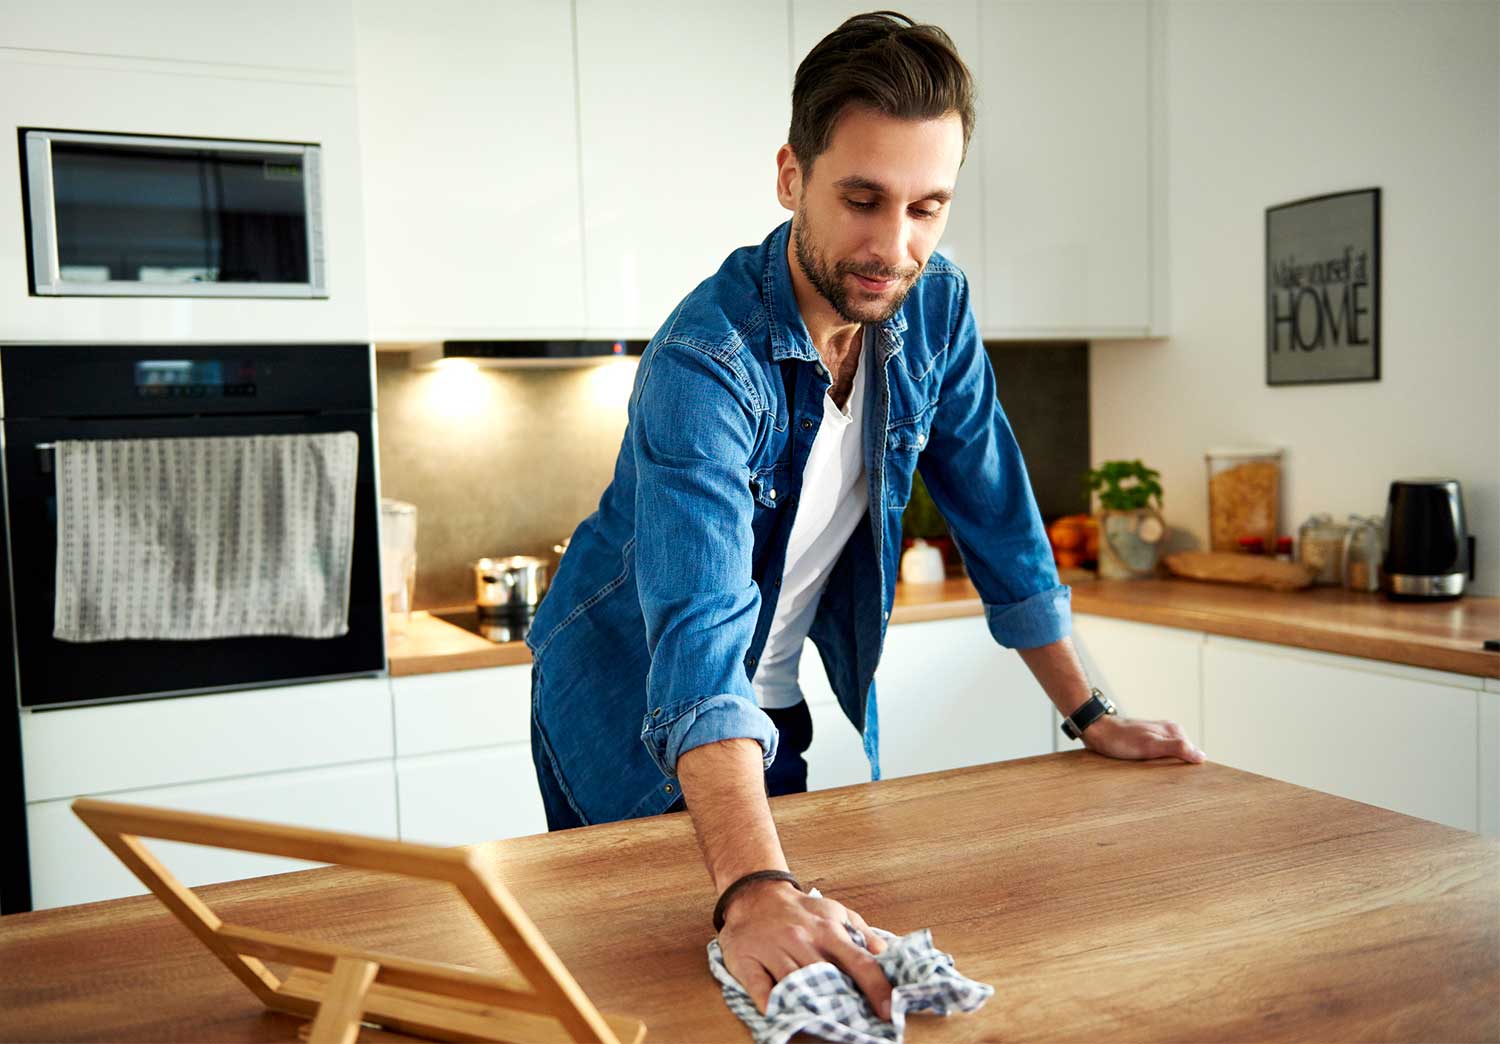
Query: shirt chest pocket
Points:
[769, 486]
[905, 440]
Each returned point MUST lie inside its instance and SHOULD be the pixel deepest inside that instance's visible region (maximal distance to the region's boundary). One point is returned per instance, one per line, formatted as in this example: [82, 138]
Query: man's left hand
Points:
[1135, 739]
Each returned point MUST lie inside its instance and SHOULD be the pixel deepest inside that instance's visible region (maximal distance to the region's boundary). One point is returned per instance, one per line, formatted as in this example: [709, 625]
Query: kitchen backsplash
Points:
[503, 462]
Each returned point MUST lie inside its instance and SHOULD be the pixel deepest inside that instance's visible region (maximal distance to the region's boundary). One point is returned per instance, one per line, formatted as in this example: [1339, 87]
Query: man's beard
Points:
[827, 279]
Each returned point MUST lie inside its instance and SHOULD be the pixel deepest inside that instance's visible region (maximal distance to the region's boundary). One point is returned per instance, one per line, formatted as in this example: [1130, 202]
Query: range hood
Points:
[532, 354]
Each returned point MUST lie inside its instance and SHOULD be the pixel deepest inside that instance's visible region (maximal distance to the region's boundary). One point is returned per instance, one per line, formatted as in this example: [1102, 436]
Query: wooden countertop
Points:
[1102, 900]
[431, 646]
[1444, 636]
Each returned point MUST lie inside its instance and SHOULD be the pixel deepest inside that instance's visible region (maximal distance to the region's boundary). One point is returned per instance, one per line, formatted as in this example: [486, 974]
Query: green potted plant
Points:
[922, 521]
[1130, 528]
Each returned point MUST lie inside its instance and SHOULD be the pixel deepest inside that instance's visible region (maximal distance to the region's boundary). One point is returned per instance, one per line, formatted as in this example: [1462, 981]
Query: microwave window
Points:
[164, 217]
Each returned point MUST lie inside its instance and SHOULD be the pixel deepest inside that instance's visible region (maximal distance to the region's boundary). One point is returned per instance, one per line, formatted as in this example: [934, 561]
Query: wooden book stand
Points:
[337, 986]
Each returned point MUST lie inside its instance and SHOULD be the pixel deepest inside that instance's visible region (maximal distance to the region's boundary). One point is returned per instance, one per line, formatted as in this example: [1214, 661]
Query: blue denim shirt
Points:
[646, 643]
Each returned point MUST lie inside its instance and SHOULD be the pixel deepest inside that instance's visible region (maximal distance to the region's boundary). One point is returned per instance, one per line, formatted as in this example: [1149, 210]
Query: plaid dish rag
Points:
[823, 1001]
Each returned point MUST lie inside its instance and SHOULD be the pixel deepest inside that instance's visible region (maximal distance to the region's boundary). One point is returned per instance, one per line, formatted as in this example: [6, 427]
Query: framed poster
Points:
[1323, 289]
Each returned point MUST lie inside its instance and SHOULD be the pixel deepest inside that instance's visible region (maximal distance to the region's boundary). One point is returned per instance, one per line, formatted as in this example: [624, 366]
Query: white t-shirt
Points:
[835, 498]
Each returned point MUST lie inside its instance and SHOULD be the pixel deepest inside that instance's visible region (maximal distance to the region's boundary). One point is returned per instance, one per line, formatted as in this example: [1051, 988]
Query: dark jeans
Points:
[787, 774]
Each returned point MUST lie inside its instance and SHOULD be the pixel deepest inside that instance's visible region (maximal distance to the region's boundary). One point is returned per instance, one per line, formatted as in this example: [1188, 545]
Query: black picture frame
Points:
[1322, 269]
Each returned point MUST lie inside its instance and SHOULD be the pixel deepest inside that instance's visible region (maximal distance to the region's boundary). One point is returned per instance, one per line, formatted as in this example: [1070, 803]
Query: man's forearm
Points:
[1058, 670]
[725, 789]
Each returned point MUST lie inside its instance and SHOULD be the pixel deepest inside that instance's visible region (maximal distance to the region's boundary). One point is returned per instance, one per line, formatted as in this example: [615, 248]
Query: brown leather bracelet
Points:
[748, 879]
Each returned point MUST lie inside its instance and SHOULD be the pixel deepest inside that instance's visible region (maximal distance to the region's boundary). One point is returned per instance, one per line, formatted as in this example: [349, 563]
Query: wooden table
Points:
[1101, 899]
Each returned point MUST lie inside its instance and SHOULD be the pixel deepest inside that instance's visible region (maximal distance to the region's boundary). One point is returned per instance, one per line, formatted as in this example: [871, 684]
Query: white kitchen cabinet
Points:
[41, 89]
[1066, 132]
[270, 36]
[836, 757]
[468, 796]
[681, 108]
[1489, 758]
[951, 697]
[463, 745]
[1400, 738]
[190, 739]
[963, 239]
[469, 137]
[1148, 671]
[70, 865]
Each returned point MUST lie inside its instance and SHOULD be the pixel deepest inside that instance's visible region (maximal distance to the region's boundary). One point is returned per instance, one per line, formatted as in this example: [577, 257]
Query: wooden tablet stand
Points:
[339, 987]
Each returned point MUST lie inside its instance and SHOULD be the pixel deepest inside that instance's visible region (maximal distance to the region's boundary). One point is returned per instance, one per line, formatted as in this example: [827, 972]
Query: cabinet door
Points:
[963, 238]
[70, 865]
[1489, 758]
[1388, 737]
[469, 139]
[191, 739]
[950, 697]
[1149, 671]
[682, 107]
[470, 796]
[1066, 142]
[462, 709]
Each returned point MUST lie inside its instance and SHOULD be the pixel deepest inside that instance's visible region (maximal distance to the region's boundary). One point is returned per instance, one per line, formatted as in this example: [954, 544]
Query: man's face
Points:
[873, 208]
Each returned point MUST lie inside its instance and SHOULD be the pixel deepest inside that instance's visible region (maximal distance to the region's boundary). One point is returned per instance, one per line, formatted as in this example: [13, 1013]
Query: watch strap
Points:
[1094, 708]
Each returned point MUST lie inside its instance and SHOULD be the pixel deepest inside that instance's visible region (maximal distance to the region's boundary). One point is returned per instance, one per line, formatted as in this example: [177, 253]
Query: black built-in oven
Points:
[59, 392]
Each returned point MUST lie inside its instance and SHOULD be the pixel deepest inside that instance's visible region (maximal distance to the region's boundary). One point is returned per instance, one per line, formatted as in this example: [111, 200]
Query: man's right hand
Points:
[771, 930]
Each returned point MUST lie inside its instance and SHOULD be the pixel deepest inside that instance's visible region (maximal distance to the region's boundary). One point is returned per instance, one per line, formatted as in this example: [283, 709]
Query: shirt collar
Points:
[789, 336]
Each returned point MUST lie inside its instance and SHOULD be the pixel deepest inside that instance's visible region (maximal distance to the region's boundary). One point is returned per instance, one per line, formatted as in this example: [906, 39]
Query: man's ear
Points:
[788, 178]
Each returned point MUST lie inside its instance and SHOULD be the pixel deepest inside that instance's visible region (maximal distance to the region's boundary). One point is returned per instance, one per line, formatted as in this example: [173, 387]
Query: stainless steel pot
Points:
[510, 585]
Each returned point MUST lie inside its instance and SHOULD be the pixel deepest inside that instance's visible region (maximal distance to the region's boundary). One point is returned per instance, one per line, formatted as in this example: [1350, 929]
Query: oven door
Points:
[56, 673]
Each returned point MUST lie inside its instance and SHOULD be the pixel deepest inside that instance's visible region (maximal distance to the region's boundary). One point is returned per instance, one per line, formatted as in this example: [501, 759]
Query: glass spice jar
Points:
[1362, 553]
[1244, 496]
[1320, 544]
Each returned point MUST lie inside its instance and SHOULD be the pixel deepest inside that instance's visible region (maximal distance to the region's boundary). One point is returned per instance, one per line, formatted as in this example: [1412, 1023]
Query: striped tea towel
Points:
[205, 537]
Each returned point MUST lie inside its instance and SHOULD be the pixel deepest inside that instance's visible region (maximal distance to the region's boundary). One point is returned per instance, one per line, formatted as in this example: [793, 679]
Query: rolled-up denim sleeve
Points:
[692, 431]
[972, 465]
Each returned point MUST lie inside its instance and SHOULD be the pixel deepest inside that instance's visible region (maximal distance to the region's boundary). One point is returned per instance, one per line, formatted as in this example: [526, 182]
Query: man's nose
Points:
[891, 240]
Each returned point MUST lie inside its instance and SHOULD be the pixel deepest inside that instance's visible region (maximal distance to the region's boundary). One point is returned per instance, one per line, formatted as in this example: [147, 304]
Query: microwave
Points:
[137, 215]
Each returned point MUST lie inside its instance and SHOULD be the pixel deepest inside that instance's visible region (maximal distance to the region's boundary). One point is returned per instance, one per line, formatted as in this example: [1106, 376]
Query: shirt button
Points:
[777, 582]
[656, 713]
[807, 425]
[921, 439]
[668, 788]
[772, 494]
[750, 661]
[887, 614]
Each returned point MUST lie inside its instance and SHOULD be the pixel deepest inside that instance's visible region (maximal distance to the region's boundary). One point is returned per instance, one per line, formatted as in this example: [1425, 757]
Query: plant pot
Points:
[1130, 543]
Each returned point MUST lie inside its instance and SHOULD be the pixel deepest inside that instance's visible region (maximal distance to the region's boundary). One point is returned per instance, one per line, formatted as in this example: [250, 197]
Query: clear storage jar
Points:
[1320, 545]
[1244, 495]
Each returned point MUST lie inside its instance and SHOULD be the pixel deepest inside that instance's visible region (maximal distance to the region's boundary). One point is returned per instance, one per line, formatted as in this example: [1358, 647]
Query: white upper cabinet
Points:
[682, 107]
[963, 239]
[292, 35]
[1066, 138]
[470, 145]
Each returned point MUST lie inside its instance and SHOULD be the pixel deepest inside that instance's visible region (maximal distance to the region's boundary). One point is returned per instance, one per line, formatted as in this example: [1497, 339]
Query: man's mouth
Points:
[874, 286]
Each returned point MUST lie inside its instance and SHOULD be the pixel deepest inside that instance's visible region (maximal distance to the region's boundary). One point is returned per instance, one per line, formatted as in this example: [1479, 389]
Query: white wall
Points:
[1273, 102]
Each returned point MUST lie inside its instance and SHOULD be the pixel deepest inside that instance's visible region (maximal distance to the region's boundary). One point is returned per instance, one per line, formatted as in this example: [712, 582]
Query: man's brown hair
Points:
[883, 61]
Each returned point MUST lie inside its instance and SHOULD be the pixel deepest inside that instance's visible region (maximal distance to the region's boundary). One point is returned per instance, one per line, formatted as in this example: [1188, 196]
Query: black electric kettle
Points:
[1429, 554]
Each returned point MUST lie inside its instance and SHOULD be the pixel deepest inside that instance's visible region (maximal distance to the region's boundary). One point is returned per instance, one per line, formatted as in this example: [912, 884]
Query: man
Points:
[775, 423]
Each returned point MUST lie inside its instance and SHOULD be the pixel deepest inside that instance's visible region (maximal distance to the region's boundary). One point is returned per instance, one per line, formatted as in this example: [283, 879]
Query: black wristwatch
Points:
[1094, 708]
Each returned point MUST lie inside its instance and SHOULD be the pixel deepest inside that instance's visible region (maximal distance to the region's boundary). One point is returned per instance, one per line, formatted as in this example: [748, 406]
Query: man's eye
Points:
[926, 214]
[861, 204]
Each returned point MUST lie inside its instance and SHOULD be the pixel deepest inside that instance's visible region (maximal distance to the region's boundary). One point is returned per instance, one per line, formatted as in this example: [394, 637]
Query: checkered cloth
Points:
[823, 1001]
